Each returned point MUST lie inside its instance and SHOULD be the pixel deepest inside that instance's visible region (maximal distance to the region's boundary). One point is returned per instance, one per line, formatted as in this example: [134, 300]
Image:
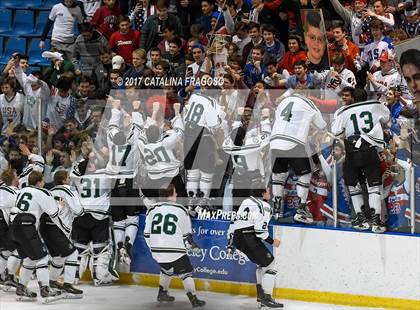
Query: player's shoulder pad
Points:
[8, 189]
[46, 192]
[355, 105]
[305, 100]
[64, 189]
[266, 206]
[172, 204]
[259, 203]
[26, 172]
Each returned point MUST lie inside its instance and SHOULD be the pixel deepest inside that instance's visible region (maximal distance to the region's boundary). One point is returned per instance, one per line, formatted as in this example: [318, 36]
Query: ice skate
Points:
[49, 295]
[361, 222]
[260, 292]
[195, 302]
[123, 256]
[71, 292]
[56, 285]
[303, 215]
[128, 248]
[2, 279]
[24, 294]
[10, 283]
[378, 226]
[163, 296]
[267, 301]
[278, 208]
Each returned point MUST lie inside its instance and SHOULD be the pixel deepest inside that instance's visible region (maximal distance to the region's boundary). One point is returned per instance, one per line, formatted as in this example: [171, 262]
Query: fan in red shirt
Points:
[125, 41]
[105, 19]
[294, 54]
[165, 100]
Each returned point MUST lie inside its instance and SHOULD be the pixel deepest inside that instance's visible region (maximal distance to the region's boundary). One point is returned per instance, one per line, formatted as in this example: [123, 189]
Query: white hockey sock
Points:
[189, 284]
[13, 263]
[206, 180]
[164, 281]
[70, 267]
[278, 182]
[268, 279]
[131, 228]
[119, 231]
[25, 273]
[356, 197]
[42, 273]
[193, 178]
[56, 268]
[375, 193]
[259, 274]
[4, 255]
[302, 187]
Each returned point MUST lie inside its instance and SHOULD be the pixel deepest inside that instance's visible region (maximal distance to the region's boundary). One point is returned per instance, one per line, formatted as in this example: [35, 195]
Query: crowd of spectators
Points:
[252, 45]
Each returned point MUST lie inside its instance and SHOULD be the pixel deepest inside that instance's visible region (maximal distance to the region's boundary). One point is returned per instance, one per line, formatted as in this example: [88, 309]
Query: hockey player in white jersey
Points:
[124, 160]
[360, 123]
[380, 82]
[246, 146]
[93, 226]
[35, 163]
[337, 78]
[9, 258]
[289, 148]
[31, 203]
[202, 117]
[63, 253]
[168, 234]
[246, 234]
[159, 152]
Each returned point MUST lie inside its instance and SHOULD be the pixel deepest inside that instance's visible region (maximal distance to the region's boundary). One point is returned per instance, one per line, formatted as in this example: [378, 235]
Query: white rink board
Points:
[348, 262]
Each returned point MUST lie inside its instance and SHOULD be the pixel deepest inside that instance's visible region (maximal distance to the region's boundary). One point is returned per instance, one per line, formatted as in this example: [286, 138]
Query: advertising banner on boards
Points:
[211, 263]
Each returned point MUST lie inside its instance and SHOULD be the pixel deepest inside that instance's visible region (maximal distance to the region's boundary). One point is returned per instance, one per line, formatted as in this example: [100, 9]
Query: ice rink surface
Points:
[142, 298]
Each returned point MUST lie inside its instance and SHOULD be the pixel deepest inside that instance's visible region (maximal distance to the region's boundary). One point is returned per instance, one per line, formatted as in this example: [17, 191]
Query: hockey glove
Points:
[231, 249]
[191, 245]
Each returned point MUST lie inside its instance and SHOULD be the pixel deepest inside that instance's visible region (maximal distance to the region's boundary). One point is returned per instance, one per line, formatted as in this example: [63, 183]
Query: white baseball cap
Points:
[117, 62]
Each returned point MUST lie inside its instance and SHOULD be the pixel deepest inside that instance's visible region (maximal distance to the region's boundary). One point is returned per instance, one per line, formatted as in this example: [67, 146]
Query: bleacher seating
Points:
[21, 26]
[49, 3]
[5, 20]
[1, 46]
[13, 4]
[13, 45]
[41, 20]
[34, 53]
[23, 23]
